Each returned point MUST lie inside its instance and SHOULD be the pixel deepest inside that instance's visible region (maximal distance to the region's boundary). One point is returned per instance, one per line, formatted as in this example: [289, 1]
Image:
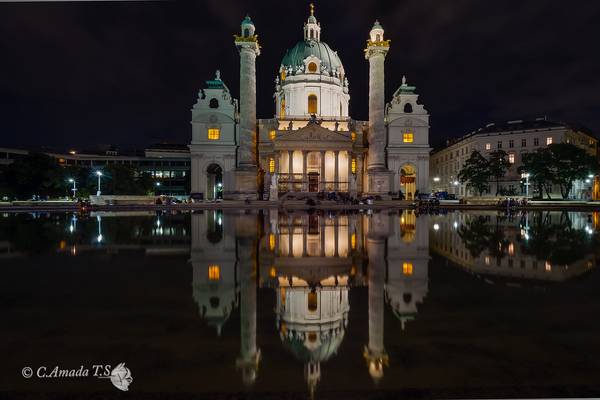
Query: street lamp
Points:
[526, 176]
[99, 173]
[74, 190]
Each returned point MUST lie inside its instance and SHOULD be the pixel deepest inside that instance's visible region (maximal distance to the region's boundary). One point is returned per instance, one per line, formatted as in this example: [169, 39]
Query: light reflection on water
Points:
[312, 263]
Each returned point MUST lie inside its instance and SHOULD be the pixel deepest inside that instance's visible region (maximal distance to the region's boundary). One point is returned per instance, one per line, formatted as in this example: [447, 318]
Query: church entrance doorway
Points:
[313, 181]
[408, 181]
[214, 182]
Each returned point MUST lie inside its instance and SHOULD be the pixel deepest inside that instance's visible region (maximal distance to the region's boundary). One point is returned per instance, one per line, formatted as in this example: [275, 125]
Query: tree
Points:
[536, 164]
[34, 174]
[475, 172]
[497, 166]
[569, 163]
[122, 179]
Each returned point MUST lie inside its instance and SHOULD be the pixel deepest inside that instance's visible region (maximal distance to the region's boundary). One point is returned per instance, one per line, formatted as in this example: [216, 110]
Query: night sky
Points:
[76, 75]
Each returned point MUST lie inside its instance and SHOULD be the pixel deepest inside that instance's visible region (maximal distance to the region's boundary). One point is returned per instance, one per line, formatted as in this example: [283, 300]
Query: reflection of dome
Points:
[295, 56]
[322, 349]
[312, 322]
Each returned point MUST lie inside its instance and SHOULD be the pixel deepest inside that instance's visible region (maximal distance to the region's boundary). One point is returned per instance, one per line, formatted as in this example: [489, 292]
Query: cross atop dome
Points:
[312, 28]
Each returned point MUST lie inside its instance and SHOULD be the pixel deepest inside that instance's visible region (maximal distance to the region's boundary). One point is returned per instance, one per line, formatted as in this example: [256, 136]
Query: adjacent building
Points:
[515, 138]
[168, 164]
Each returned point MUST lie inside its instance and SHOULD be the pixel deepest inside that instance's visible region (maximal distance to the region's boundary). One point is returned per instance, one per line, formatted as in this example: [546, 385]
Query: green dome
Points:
[295, 56]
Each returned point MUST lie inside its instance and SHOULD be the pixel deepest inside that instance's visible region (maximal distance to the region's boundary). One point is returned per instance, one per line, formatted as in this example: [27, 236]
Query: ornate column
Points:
[377, 173]
[337, 171]
[246, 174]
[322, 175]
[290, 170]
[304, 176]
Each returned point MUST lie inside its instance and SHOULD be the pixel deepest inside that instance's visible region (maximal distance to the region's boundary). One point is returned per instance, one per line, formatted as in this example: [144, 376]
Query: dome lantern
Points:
[312, 29]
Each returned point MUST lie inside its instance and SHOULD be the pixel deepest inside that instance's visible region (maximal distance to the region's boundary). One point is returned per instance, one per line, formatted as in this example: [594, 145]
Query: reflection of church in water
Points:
[310, 261]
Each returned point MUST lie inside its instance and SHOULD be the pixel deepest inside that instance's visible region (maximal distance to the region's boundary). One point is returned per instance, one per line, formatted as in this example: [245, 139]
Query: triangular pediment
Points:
[315, 132]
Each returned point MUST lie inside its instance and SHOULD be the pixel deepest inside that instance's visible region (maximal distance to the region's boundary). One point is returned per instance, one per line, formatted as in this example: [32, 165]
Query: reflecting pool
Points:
[308, 304]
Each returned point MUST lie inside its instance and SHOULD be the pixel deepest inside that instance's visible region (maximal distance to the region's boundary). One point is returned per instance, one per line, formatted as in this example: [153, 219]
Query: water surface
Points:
[331, 305]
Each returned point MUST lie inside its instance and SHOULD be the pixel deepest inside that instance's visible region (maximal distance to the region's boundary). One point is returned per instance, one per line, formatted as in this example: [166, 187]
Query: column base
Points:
[379, 183]
[245, 185]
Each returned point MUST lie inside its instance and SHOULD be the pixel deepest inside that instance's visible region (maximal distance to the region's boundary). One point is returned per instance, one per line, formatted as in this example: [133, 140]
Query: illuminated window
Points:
[214, 272]
[312, 301]
[353, 241]
[511, 249]
[283, 75]
[353, 165]
[353, 136]
[272, 272]
[214, 134]
[548, 266]
[548, 141]
[407, 137]
[488, 146]
[272, 135]
[312, 337]
[511, 158]
[312, 104]
[312, 67]
[407, 268]
[282, 109]
[271, 165]
[487, 260]
[271, 241]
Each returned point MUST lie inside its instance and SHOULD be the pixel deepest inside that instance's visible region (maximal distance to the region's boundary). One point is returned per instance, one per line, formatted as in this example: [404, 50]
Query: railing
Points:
[302, 183]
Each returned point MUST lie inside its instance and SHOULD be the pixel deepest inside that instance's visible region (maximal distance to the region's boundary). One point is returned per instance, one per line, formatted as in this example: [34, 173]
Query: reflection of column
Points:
[249, 353]
[374, 353]
[290, 235]
[337, 171]
[336, 235]
[322, 228]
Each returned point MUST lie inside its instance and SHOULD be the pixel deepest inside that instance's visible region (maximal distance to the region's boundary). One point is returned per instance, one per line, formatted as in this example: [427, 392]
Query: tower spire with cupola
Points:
[312, 28]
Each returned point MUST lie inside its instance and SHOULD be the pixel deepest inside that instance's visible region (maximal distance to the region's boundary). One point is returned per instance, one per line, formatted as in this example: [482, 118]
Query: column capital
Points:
[377, 48]
[247, 43]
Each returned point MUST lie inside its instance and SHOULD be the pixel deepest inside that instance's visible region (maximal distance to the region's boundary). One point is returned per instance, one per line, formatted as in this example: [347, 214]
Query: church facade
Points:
[311, 144]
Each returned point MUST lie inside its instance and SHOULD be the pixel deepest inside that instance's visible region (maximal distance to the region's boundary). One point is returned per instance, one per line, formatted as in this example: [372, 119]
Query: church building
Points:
[311, 144]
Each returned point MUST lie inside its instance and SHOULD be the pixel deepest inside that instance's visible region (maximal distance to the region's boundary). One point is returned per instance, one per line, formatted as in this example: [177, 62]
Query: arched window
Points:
[312, 301]
[214, 272]
[378, 38]
[312, 104]
[246, 32]
[312, 67]
[312, 34]
[214, 103]
[408, 108]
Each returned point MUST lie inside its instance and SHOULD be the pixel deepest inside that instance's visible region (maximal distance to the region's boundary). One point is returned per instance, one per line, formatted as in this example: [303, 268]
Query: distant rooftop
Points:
[517, 125]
